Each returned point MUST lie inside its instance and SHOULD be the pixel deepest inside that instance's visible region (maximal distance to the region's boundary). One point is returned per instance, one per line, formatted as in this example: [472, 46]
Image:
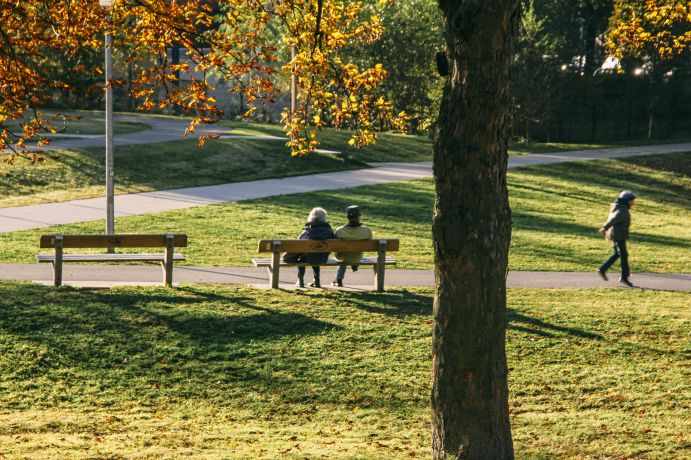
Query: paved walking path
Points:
[111, 275]
[161, 129]
[44, 215]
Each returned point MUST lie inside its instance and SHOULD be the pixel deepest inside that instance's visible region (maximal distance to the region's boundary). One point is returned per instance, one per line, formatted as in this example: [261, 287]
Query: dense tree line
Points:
[579, 73]
[585, 70]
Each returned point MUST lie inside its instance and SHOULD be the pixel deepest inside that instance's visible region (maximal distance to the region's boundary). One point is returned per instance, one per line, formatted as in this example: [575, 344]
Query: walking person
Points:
[616, 230]
[316, 228]
[353, 230]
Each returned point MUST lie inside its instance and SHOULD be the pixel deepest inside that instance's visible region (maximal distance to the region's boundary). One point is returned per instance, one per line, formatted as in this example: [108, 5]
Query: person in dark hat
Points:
[353, 230]
[616, 230]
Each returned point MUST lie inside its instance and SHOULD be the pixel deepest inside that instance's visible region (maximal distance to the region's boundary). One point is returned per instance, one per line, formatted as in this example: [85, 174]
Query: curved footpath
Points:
[44, 215]
[161, 129]
[147, 275]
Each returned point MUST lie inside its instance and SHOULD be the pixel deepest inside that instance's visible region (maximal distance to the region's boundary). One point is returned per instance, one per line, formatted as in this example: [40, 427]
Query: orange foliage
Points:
[236, 38]
[654, 29]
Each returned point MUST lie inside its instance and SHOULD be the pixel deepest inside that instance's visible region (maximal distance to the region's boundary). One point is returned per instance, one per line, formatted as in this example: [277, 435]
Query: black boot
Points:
[315, 282]
[301, 278]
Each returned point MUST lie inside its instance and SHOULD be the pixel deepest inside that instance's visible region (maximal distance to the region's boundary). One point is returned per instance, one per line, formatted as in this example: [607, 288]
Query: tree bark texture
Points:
[472, 230]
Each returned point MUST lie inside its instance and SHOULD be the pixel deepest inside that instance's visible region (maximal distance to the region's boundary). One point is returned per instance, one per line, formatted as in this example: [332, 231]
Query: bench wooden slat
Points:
[276, 247]
[266, 262]
[59, 242]
[114, 241]
[108, 257]
[327, 245]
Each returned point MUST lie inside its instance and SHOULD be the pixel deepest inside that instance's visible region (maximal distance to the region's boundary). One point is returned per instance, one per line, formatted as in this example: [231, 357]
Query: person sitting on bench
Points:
[353, 230]
[316, 228]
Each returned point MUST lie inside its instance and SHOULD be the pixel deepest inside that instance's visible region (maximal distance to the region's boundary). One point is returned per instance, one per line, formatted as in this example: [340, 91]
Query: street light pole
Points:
[293, 84]
[110, 171]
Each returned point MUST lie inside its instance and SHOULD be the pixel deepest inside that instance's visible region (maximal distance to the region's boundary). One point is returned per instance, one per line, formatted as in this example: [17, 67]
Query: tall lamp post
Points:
[110, 172]
[293, 85]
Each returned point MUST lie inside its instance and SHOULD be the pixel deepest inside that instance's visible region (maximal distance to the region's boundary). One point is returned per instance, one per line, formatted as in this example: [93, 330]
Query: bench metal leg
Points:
[57, 263]
[168, 261]
[275, 265]
[380, 267]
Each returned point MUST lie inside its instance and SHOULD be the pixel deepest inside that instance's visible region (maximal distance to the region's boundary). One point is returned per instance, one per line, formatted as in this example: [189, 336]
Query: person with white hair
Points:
[316, 228]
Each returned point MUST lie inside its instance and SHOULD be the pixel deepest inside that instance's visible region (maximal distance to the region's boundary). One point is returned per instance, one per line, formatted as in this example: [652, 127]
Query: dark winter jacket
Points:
[313, 231]
[619, 220]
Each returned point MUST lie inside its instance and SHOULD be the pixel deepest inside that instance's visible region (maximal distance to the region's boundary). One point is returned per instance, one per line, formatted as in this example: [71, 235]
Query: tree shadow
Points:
[399, 303]
[220, 344]
[623, 176]
[541, 223]
[522, 323]
[63, 319]
[393, 302]
[676, 163]
[570, 196]
[381, 203]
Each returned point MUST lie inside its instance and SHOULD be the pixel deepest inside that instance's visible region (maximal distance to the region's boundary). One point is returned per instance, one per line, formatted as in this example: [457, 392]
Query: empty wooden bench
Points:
[276, 247]
[60, 242]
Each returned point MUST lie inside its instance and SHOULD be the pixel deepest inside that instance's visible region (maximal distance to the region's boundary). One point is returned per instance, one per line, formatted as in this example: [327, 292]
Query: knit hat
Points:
[353, 212]
[627, 196]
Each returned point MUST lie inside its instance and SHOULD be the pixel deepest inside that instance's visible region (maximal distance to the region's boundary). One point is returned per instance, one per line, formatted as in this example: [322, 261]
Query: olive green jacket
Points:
[361, 232]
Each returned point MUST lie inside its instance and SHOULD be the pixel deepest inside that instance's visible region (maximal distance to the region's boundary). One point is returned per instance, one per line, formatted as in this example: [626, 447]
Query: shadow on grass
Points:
[400, 303]
[625, 174]
[161, 346]
[523, 323]
[394, 203]
[541, 223]
[54, 317]
[387, 203]
[397, 303]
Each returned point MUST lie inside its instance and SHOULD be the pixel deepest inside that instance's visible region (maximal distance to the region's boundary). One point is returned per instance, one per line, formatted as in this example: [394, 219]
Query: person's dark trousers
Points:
[618, 251]
[315, 270]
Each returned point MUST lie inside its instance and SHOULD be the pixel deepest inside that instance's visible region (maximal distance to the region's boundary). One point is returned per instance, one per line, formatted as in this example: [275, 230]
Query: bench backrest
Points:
[114, 241]
[327, 245]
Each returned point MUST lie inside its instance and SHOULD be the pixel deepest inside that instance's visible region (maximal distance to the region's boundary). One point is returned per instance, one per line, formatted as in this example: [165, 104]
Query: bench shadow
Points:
[117, 315]
[224, 349]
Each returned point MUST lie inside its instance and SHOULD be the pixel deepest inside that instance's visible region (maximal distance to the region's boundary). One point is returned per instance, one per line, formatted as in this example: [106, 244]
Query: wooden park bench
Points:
[60, 242]
[276, 247]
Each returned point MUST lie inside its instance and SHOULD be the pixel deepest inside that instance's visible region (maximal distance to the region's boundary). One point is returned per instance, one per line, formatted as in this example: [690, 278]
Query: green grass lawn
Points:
[223, 372]
[389, 146]
[556, 212]
[547, 147]
[78, 173]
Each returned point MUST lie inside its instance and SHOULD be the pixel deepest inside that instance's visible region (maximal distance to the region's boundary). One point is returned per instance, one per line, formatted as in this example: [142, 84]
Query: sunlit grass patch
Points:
[78, 173]
[224, 372]
[556, 212]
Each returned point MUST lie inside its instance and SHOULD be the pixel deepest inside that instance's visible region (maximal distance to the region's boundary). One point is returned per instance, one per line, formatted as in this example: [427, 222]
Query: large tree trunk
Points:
[472, 229]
